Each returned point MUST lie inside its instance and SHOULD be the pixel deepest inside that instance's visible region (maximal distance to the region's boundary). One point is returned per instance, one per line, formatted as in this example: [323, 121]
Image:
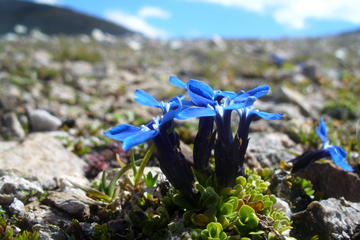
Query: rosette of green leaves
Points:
[243, 212]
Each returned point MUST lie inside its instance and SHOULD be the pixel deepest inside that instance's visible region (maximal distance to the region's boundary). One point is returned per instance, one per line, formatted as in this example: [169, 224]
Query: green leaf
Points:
[143, 164]
[103, 183]
[150, 181]
[214, 229]
[248, 216]
[226, 209]
[241, 180]
[132, 162]
[93, 192]
[111, 187]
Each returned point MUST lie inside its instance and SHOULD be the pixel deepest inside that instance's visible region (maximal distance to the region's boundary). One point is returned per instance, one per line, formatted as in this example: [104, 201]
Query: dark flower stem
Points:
[172, 162]
[304, 160]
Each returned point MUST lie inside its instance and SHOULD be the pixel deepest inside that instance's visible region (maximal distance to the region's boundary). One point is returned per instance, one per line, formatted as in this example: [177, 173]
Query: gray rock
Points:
[333, 219]
[44, 156]
[7, 145]
[283, 205]
[294, 97]
[63, 93]
[309, 70]
[268, 149]
[12, 126]
[17, 207]
[76, 205]
[41, 120]
[332, 181]
[6, 199]
[42, 57]
[290, 110]
[79, 68]
[14, 183]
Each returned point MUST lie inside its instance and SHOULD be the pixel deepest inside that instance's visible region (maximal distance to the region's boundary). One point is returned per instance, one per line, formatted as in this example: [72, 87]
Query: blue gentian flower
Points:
[336, 153]
[172, 162]
[215, 105]
[132, 136]
[146, 99]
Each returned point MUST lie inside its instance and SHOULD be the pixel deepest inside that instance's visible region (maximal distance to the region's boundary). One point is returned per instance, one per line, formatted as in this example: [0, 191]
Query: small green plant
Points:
[108, 192]
[7, 232]
[150, 180]
[101, 232]
[243, 212]
[304, 184]
[213, 231]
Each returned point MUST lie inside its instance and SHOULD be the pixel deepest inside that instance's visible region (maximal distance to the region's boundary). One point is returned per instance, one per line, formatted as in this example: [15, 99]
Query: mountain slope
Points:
[52, 19]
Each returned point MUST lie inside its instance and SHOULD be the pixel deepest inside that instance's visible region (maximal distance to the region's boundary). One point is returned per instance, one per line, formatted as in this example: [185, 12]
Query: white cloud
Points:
[135, 23]
[49, 2]
[295, 13]
[153, 12]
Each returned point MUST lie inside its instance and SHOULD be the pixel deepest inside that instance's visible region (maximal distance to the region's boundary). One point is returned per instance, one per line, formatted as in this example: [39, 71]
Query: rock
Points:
[42, 57]
[333, 219]
[6, 199]
[41, 120]
[332, 181]
[11, 126]
[292, 96]
[7, 145]
[46, 161]
[14, 184]
[290, 111]
[268, 149]
[79, 68]
[17, 207]
[76, 205]
[283, 205]
[309, 70]
[63, 93]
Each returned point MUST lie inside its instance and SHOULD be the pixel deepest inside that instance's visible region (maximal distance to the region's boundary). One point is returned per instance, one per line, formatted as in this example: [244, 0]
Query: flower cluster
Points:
[336, 153]
[214, 109]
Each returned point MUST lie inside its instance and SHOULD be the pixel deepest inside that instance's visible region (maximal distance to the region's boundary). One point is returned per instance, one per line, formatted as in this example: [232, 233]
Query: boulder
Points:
[268, 149]
[11, 126]
[43, 156]
[332, 181]
[332, 219]
[41, 121]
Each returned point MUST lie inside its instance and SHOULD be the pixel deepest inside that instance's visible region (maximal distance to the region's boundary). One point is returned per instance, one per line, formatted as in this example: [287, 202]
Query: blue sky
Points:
[226, 18]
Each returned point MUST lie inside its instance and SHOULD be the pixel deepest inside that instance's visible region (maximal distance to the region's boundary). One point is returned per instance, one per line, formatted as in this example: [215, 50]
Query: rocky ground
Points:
[59, 94]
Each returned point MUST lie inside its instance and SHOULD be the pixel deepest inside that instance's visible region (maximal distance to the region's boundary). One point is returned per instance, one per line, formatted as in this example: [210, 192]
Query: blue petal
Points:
[259, 91]
[186, 103]
[338, 155]
[177, 82]
[145, 99]
[170, 115]
[138, 138]
[234, 106]
[196, 112]
[267, 116]
[200, 93]
[244, 99]
[122, 131]
[321, 131]
[222, 94]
